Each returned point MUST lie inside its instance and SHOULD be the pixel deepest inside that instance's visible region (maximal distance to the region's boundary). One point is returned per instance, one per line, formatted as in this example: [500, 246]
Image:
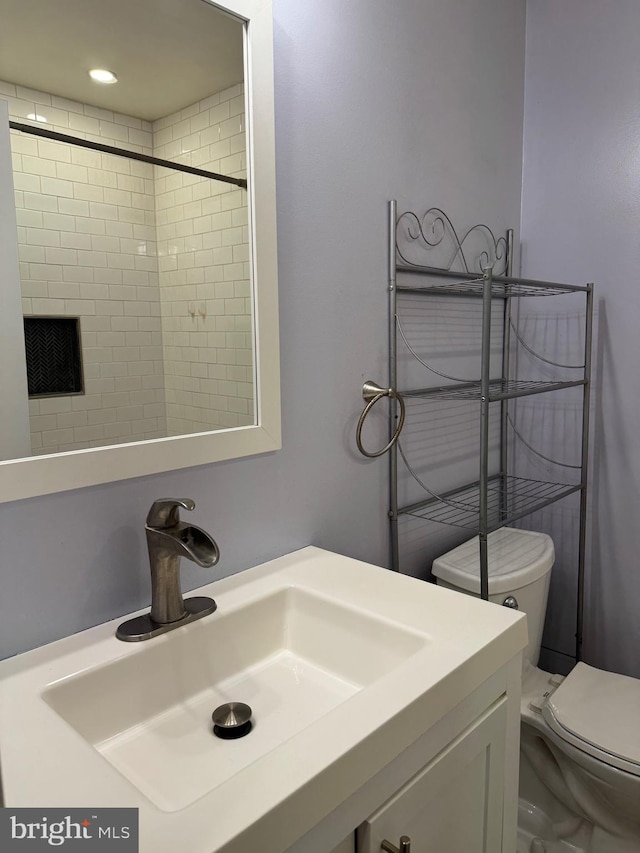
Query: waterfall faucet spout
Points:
[168, 540]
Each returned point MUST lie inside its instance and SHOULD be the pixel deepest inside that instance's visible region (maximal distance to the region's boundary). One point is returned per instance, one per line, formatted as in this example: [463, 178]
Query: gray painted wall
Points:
[580, 215]
[421, 100]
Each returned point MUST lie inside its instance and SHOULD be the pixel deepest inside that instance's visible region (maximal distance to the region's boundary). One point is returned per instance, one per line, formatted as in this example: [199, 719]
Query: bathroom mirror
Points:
[152, 282]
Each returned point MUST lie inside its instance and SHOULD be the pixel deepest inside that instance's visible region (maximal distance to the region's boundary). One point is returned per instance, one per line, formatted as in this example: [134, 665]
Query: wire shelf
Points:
[499, 389]
[501, 288]
[508, 498]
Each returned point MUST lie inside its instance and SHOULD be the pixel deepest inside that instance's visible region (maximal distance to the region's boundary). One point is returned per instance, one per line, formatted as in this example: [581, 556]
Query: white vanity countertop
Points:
[269, 804]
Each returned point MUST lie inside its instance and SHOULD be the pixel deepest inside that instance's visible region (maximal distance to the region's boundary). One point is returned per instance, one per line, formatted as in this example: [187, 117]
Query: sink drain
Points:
[232, 720]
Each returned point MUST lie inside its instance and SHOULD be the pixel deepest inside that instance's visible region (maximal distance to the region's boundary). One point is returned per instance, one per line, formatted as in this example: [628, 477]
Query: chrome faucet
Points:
[169, 539]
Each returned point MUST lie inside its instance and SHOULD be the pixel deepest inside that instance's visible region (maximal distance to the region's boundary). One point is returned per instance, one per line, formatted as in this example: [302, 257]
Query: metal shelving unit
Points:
[494, 499]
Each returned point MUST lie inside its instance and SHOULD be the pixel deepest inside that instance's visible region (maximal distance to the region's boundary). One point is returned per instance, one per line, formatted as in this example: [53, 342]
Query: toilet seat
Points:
[598, 713]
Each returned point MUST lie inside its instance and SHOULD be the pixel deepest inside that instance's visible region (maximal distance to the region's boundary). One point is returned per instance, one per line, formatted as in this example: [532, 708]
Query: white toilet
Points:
[580, 735]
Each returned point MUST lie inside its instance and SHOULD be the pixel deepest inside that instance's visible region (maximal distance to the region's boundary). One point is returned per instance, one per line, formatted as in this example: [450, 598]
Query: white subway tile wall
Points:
[88, 231]
[203, 264]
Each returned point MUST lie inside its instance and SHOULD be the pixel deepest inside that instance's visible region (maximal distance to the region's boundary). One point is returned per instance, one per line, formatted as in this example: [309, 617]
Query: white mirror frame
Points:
[41, 475]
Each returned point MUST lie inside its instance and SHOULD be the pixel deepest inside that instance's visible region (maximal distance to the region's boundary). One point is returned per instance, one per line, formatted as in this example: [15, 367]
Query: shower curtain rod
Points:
[123, 152]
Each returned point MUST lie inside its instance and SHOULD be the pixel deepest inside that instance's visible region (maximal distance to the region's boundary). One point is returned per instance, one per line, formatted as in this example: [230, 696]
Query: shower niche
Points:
[53, 356]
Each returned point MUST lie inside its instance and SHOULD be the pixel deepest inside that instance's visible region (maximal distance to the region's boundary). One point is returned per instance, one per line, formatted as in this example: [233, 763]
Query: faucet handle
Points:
[165, 512]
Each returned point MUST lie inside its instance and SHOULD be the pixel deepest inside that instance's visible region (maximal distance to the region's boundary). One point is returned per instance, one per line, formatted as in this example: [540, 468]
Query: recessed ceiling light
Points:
[101, 75]
[36, 117]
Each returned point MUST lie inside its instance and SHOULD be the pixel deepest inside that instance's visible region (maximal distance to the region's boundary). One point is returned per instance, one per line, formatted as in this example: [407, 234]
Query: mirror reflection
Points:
[134, 276]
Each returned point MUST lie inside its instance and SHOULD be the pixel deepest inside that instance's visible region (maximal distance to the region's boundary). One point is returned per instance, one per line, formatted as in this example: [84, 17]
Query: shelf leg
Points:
[393, 379]
[484, 434]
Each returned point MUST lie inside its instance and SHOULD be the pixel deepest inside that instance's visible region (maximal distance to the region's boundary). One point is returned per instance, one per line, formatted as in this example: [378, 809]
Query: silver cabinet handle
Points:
[405, 845]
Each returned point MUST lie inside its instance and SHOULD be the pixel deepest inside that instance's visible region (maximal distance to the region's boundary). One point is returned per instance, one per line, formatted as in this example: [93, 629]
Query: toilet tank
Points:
[519, 565]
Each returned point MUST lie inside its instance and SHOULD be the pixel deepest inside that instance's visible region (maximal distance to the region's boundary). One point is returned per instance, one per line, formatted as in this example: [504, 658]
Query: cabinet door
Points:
[455, 804]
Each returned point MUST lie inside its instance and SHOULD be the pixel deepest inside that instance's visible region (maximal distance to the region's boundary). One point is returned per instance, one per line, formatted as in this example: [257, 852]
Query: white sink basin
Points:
[344, 664]
[291, 655]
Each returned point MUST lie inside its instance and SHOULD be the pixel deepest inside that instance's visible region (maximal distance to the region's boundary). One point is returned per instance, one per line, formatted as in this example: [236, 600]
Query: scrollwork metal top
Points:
[475, 251]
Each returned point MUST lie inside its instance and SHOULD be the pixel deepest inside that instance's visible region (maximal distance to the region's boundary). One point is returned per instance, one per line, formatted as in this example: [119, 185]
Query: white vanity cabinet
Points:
[455, 789]
[404, 717]
[455, 804]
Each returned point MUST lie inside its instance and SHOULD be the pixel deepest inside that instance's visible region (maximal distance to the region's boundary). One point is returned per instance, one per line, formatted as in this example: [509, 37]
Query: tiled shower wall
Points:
[203, 257]
[87, 244]
[87, 240]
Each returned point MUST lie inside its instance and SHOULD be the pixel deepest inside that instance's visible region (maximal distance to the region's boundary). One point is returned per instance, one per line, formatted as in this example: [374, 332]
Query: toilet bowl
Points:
[580, 734]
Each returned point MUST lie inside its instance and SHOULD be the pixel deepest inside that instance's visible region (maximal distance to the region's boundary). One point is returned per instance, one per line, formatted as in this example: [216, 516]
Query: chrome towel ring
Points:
[372, 392]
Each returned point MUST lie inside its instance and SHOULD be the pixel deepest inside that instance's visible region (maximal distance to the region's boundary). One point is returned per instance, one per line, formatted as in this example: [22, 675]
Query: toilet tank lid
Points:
[601, 711]
[516, 558]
